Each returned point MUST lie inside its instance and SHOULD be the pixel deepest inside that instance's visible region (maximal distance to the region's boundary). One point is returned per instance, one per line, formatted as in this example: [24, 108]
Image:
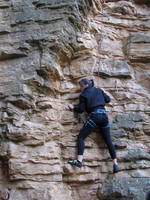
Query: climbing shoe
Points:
[116, 168]
[76, 163]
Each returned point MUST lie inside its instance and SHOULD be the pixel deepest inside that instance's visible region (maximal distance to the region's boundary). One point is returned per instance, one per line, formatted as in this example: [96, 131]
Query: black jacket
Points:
[90, 99]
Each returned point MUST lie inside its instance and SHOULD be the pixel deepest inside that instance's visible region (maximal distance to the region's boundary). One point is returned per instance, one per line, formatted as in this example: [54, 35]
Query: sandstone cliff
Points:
[46, 46]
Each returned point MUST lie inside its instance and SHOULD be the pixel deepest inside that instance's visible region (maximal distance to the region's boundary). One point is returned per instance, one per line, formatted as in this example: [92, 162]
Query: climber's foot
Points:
[76, 163]
[116, 168]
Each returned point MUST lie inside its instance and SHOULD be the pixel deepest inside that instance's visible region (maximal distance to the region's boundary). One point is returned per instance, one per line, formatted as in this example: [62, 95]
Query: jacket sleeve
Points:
[80, 108]
[106, 97]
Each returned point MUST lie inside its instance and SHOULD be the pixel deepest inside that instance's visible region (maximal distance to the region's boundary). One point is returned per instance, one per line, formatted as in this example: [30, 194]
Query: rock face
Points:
[46, 46]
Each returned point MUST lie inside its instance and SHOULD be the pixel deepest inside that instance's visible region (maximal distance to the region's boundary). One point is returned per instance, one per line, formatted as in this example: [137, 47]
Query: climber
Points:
[148, 195]
[93, 100]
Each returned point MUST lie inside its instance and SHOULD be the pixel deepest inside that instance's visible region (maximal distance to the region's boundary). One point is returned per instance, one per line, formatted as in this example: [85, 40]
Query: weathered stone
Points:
[141, 2]
[143, 77]
[124, 188]
[34, 171]
[122, 8]
[49, 67]
[137, 154]
[146, 128]
[4, 55]
[4, 29]
[48, 190]
[124, 23]
[113, 68]
[138, 48]
[44, 152]
[106, 43]
[120, 145]
[20, 102]
[4, 4]
[3, 150]
[118, 133]
[128, 122]
[140, 173]
[136, 117]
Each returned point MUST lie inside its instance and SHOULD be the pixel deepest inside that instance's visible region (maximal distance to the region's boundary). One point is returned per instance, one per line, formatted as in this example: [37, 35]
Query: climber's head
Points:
[84, 83]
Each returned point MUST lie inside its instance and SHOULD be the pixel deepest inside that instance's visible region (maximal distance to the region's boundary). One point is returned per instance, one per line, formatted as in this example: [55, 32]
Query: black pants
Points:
[98, 119]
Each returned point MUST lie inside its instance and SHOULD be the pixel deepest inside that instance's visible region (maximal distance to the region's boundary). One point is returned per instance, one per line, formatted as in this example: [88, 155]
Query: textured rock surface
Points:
[46, 46]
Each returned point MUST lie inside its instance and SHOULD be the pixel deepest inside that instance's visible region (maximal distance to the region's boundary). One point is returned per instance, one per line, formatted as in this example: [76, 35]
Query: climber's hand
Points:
[71, 106]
